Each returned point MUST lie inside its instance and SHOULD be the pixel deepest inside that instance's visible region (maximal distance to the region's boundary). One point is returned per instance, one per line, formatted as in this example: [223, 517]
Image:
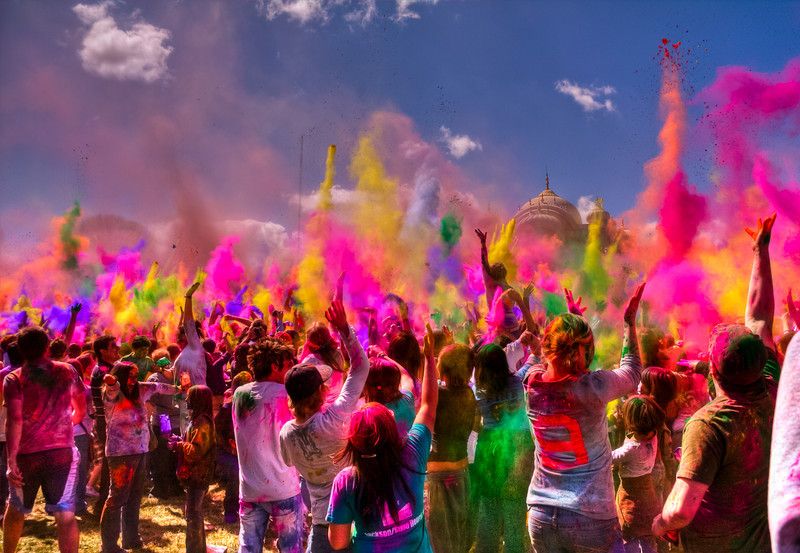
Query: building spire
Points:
[546, 180]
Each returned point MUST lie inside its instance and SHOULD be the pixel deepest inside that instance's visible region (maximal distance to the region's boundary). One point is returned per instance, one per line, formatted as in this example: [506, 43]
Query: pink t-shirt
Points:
[46, 394]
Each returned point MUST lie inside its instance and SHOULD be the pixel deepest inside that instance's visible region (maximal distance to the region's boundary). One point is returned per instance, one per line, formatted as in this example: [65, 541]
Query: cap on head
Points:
[737, 355]
[302, 381]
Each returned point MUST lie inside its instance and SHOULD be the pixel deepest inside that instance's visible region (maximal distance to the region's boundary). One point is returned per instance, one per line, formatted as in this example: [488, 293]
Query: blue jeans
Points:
[82, 443]
[555, 530]
[287, 516]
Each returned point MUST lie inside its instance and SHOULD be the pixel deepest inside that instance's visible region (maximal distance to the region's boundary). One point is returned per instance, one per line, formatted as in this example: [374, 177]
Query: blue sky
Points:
[219, 80]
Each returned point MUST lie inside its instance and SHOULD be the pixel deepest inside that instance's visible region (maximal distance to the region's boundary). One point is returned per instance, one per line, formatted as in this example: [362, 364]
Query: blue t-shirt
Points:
[404, 413]
[410, 534]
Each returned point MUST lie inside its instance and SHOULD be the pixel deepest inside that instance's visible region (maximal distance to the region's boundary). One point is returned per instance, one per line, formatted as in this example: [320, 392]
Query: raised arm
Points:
[516, 298]
[74, 309]
[430, 385]
[625, 379]
[793, 309]
[489, 282]
[189, 327]
[359, 364]
[760, 310]
[110, 388]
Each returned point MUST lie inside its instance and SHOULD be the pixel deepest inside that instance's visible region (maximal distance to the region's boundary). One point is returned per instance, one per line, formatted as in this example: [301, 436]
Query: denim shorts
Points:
[55, 471]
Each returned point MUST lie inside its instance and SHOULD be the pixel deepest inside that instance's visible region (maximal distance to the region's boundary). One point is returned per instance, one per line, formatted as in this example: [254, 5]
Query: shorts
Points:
[53, 470]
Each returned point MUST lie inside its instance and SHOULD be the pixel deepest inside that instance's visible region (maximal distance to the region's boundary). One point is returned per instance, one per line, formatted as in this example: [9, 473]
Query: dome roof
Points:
[549, 213]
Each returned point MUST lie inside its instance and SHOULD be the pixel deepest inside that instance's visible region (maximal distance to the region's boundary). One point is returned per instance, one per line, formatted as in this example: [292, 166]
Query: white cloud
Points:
[339, 196]
[459, 145]
[404, 10]
[359, 11]
[585, 206]
[363, 14]
[302, 11]
[592, 98]
[138, 54]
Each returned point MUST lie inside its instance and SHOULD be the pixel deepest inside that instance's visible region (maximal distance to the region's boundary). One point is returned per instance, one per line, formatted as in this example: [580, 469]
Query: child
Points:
[390, 385]
[637, 501]
[196, 463]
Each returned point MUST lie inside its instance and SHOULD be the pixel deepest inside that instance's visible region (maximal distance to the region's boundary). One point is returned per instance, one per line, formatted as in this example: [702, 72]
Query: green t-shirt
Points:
[145, 365]
[726, 444]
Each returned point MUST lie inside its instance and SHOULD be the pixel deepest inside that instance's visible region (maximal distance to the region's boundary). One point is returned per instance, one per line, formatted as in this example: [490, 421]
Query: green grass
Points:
[162, 527]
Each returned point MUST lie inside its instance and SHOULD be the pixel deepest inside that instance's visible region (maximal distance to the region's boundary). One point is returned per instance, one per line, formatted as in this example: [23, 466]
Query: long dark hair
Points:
[320, 342]
[199, 399]
[383, 381]
[491, 369]
[122, 372]
[404, 348]
[374, 449]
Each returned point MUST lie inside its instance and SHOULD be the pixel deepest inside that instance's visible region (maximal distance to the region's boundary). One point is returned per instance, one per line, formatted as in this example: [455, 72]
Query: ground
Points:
[162, 528]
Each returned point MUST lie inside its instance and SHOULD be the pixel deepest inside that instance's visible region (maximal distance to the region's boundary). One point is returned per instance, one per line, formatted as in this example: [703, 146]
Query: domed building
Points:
[549, 214]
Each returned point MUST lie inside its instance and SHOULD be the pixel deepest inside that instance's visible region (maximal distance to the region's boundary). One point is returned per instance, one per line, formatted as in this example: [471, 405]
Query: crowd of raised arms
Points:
[415, 442]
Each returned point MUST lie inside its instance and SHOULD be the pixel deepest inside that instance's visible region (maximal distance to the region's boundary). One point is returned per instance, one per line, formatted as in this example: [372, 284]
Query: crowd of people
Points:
[412, 441]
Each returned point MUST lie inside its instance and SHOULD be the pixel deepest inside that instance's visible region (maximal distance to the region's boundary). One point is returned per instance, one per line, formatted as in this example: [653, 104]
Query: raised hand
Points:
[448, 335]
[527, 292]
[192, 289]
[481, 236]
[109, 380]
[75, 307]
[763, 233]
[633, 305]
[428, 342]
[574, 306]
[337, 316]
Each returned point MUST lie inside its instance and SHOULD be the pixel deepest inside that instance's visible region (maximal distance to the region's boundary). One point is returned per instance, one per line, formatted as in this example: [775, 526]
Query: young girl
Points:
[637, 501]
[448, 475]
[196, 463]
[390, 385]
[382, 492]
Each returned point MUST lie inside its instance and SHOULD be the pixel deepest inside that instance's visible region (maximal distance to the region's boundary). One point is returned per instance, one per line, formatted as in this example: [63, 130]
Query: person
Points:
[725, 451]
[190, 366]
[637, 500]
[784, 487]
[227, 461]
[320, 349]
[390, 385]
[661, 385]
[140, 356]
[106, 352]
[127, 444]
[269, 489]
[317, 431]
[571, 494]
[719, 500]
[503, 454]
[43, 399]
[82, 433]
[196, 463]
[164, 422]
[448, 474]
[381, 493]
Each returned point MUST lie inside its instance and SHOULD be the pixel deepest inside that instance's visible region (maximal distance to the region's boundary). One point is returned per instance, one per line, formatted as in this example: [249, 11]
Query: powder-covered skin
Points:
[784, 472]
[126, 421]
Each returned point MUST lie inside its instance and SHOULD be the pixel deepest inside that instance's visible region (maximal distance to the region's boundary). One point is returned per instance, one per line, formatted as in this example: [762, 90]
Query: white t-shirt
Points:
[634, 458]
[260, 409]
[309, 445]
